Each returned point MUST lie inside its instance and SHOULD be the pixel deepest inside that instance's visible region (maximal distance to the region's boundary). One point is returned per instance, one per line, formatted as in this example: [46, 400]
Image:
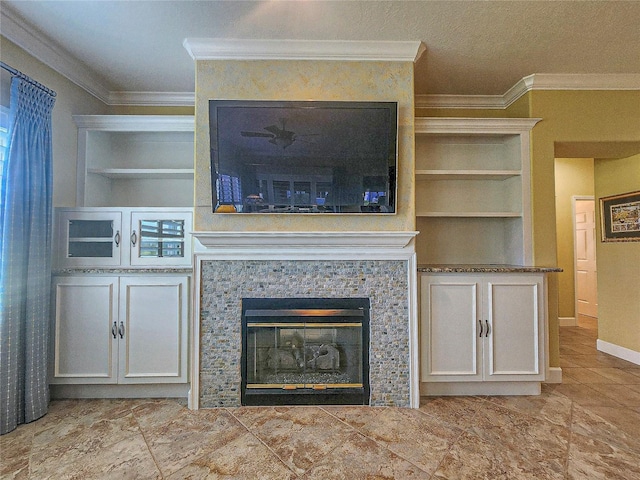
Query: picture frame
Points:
[620, 217]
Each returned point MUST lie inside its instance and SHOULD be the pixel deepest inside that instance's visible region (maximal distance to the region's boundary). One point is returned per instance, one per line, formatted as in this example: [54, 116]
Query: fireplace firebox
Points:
[305, 351]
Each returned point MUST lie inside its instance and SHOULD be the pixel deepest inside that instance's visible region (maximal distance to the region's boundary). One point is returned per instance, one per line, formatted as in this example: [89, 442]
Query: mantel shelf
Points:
[466, 174]
[151, 173]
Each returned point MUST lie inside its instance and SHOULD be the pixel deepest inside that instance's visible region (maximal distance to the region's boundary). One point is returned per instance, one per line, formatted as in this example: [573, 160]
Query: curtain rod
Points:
[26, 78]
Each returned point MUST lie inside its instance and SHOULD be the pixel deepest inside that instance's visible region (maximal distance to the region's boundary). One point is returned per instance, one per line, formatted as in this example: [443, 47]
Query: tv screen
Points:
[303, 156]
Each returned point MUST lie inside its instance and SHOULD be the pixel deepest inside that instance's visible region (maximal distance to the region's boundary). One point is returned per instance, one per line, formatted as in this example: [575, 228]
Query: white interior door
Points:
[585, 258]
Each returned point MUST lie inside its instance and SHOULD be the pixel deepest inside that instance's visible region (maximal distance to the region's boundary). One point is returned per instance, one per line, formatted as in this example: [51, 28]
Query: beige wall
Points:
[571, 116]
[305, 80]
[574, 177]
[618, 262]
[70, 100]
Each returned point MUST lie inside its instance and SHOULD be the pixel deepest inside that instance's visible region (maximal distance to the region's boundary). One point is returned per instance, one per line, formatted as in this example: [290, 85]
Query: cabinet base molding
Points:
[554, 375]
[59, 392]
[436, 389]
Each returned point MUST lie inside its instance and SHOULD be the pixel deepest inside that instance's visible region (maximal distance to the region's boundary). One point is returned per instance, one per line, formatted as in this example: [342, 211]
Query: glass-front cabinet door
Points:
[160, 238]
[90, 238]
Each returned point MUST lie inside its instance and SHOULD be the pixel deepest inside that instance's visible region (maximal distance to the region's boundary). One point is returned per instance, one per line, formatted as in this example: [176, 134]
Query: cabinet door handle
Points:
[114, 330]
[480, 322]
[487, 332]
[121, 330]
[117, 238]
[134, 238]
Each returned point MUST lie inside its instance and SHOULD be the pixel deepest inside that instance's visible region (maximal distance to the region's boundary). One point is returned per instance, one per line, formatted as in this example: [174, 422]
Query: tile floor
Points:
[586, 428]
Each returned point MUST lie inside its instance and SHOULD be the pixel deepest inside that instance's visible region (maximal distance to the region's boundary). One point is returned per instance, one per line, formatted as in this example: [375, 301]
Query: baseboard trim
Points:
[618, 351]
[554, 375]
[567, 321]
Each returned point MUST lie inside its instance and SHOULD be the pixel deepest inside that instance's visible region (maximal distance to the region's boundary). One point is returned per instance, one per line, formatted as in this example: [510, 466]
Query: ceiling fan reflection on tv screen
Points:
[279, 136]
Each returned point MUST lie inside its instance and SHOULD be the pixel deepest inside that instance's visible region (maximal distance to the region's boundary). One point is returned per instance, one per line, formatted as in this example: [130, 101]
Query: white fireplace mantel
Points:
[267, 241]
[308, 245]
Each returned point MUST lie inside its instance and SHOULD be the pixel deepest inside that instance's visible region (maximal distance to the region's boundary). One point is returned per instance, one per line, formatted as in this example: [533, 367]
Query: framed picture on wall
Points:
[620, 217]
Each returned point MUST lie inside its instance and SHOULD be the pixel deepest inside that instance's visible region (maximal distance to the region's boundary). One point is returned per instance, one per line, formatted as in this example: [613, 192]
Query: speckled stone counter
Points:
[122, 271]
[485, 269]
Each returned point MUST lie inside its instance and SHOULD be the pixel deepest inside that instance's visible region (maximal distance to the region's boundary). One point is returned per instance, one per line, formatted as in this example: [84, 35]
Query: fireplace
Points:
[376, 266]
[298, 351]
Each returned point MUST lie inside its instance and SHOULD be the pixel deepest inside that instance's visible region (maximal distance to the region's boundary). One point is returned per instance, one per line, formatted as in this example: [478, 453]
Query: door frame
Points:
[574, 199]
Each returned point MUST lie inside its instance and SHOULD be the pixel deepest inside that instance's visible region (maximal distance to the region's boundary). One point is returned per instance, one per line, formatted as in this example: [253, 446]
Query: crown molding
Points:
[175, 99]
[244, 49]
[538, 81]
[15, 29]
[461, 125]
[460, 101]
[136, 123]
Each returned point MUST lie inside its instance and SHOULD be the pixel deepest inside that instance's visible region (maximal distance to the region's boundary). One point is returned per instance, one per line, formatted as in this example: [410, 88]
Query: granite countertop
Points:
[120, 270]
[491, 268]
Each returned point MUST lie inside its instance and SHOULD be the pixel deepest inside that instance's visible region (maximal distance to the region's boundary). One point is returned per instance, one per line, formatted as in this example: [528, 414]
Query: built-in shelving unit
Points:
[123, 260]
[135, 160]
[472, 190]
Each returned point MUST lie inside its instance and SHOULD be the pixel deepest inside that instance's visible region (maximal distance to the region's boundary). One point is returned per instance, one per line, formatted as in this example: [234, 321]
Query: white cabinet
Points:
[127, 329]
[481, 328]
[135, 160]
[472, 182]
[112, 237]
[88, 238]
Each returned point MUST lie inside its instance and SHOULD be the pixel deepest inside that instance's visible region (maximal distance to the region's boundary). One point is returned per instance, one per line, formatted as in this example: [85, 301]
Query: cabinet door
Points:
[89, 238]
[153, 322]
[85, 348]
[161, 238]
[515, 344]
[449, 320]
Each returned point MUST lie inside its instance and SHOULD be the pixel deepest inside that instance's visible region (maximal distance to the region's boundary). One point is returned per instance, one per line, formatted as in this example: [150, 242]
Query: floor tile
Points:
[585, 375]
[622, 394]
[300, 436]
[128, 459]
[458, 411]
[78, 441]
[550, 406]
[189, 435]
[585, 395]
[617, 426]
[361, 458]
[244, 457]
[617, 375]
[592, 459]
[473, 457]
[411, 434]
[541, 442]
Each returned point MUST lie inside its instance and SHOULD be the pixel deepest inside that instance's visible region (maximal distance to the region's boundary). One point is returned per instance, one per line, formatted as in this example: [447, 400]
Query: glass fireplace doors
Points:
[305, 351]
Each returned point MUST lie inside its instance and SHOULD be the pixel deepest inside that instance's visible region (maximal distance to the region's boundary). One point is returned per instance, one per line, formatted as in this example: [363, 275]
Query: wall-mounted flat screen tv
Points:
[303, 156]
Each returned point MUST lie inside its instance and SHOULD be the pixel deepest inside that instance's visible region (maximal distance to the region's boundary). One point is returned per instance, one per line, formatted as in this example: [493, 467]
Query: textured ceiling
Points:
[473, 47]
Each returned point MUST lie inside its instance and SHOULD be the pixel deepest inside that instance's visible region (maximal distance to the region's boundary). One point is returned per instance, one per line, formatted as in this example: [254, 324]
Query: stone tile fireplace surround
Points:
[378, 265]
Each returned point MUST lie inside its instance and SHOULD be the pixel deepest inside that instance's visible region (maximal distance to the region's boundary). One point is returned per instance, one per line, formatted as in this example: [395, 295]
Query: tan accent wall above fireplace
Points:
[333, 80]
